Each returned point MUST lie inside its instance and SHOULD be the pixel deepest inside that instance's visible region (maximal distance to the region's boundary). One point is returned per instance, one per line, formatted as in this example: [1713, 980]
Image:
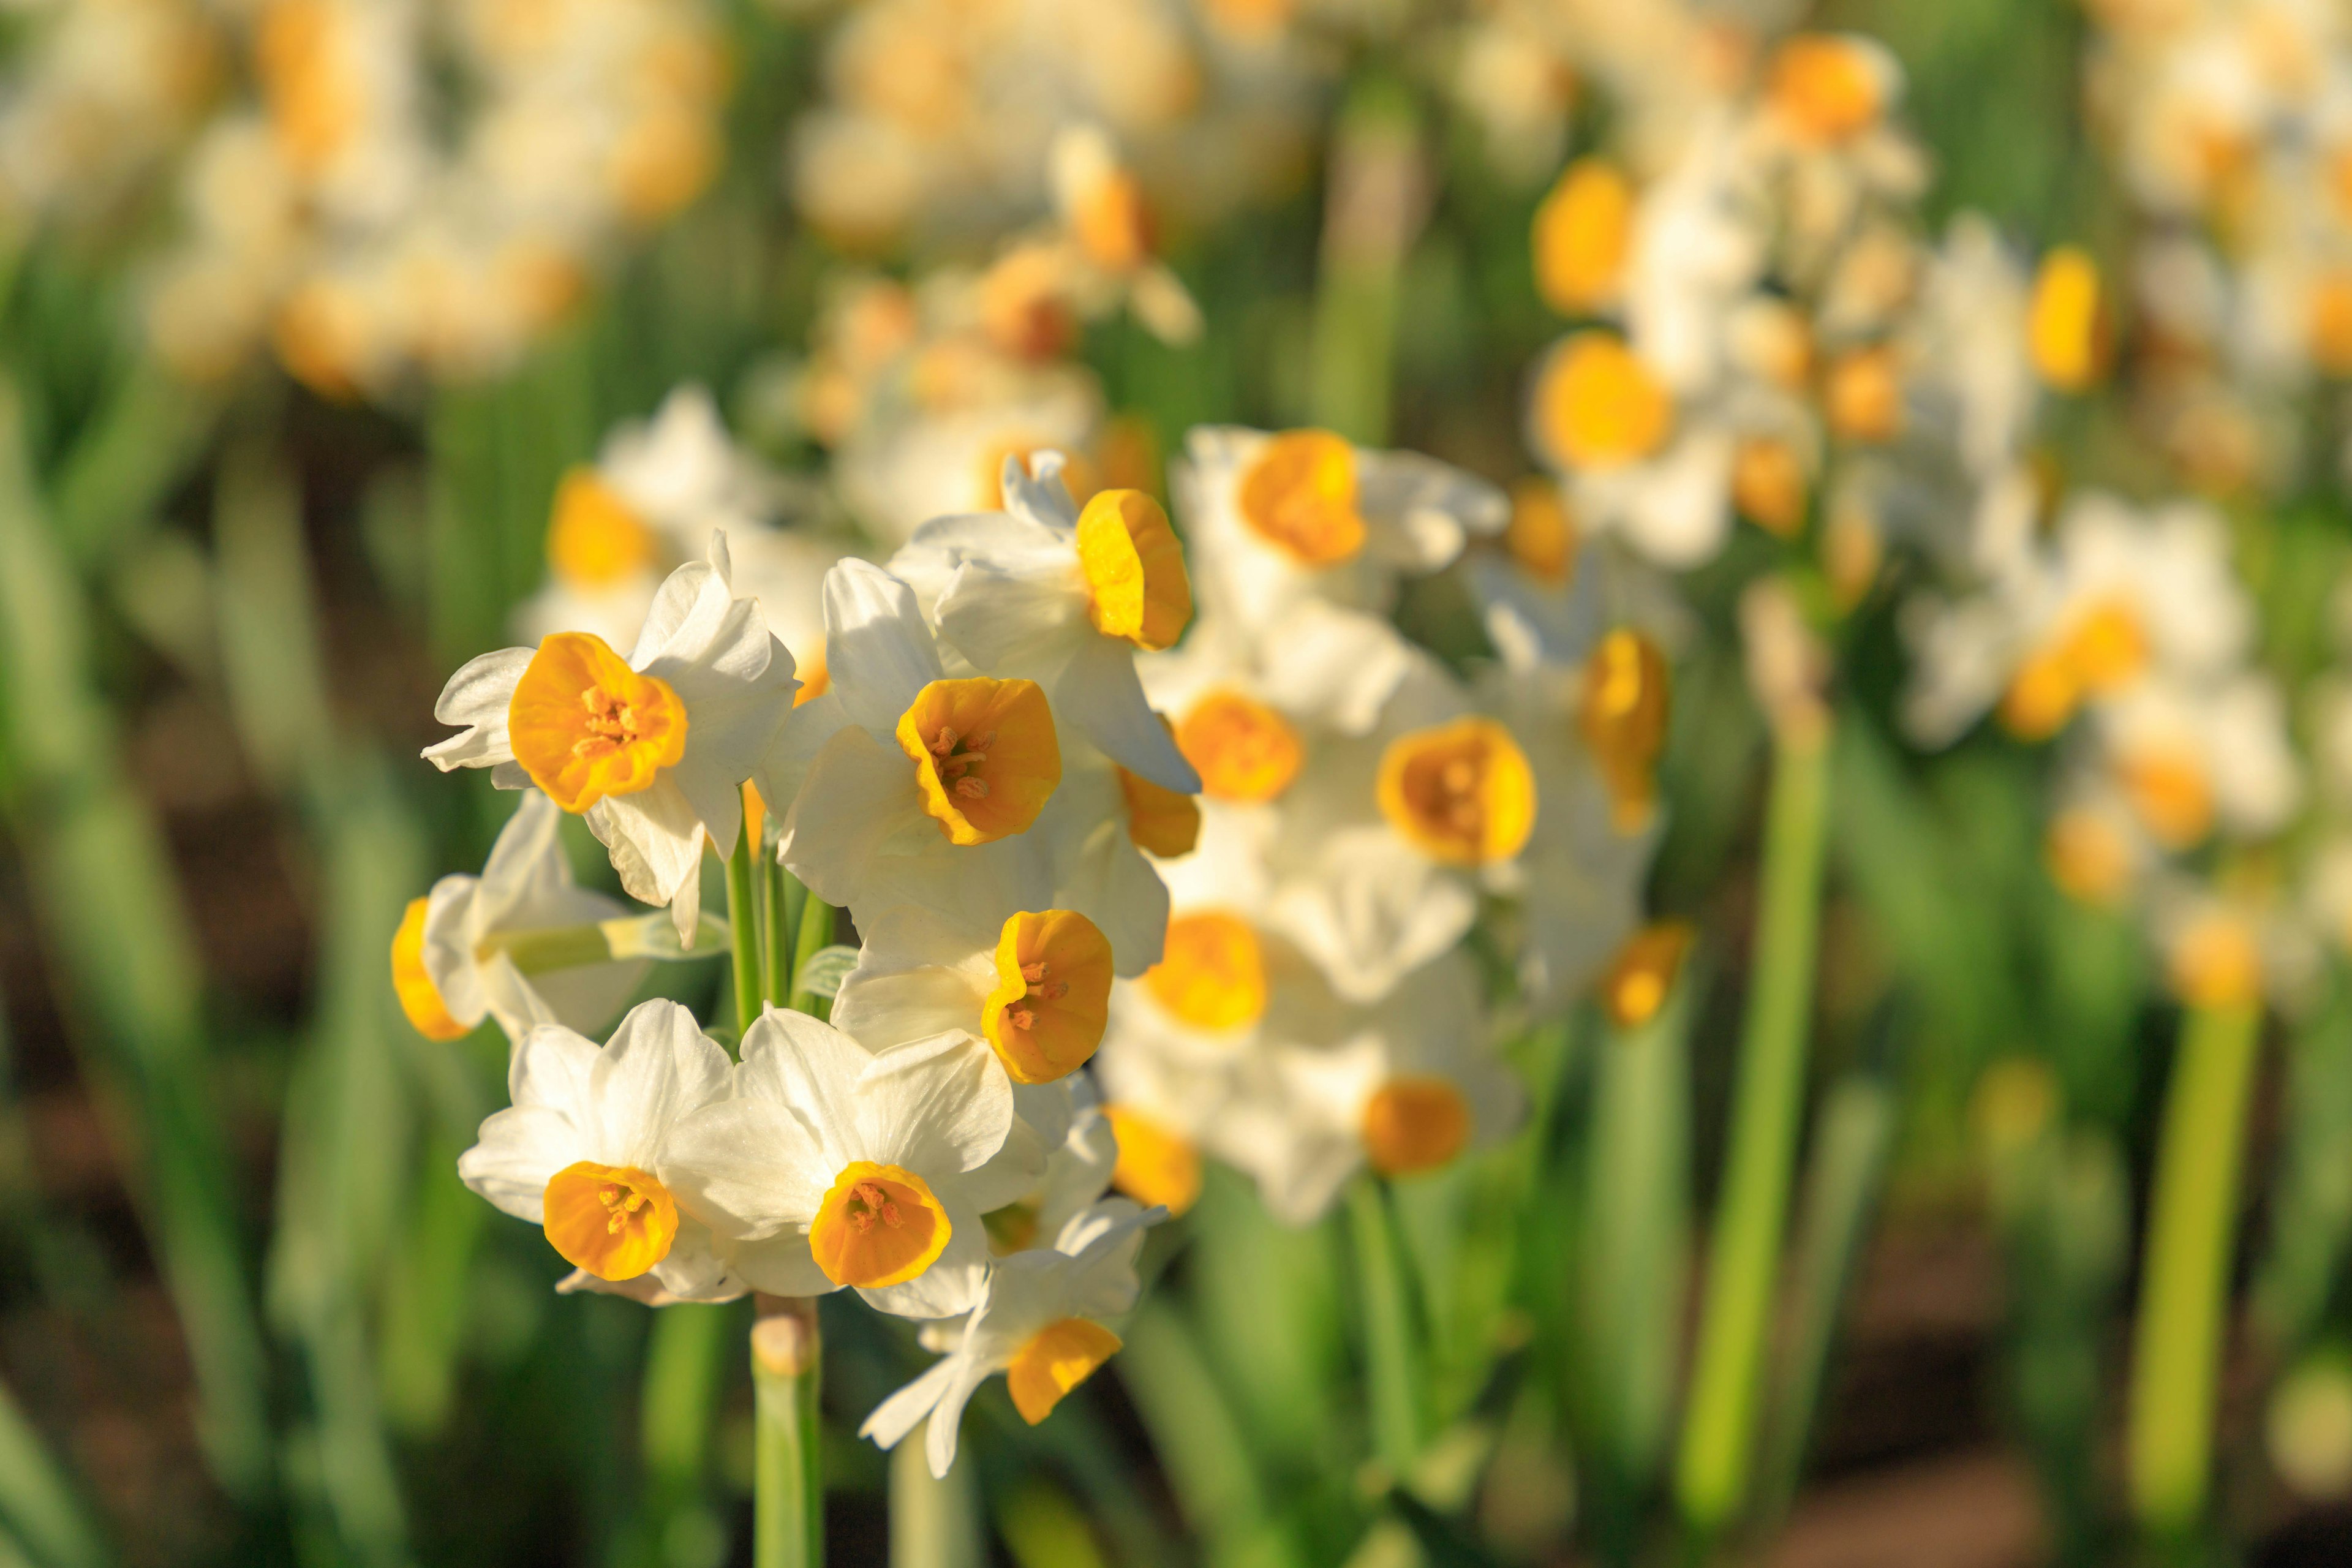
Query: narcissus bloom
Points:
[579, 1152]
[651, 749]
[1046, 592]
[905, 785]
[1040, 1324]
[479, 946]
[834, 1165]
[1276, 518]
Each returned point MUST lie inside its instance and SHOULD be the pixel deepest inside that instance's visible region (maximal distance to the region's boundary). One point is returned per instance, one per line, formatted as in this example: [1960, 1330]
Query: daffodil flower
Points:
[579, 1152]
[650, 750]
[1065, 597]
[905, 785]
[1275, 518]
[834, 1165]
[456, 958]
[1040, 1324]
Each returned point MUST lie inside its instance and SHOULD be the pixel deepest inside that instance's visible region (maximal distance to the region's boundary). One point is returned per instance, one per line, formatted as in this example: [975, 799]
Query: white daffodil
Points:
[461, 953]
[1040, 1324]
[2195, 759]
[1274, 518]
[901, 785]
[1099, 836]
[1077, 1171]
[835, 1165]
[1044, 592]
[650, 750]
[579, 1152]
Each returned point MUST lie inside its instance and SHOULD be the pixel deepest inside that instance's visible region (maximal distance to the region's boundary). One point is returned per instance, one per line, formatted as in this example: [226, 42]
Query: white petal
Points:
[877, 649]
[904, 1411]
[1098, 693]
[516, 1152]
[477, 697]
[551, 1066]
[780, 1264]
[938, 1107]
[746, 1168]
[1025, 620]
[659, 1065]
[654, 837]
[859, 795]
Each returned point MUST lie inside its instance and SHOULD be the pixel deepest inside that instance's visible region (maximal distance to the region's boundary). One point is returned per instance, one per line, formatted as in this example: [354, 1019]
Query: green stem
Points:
[2184, 1290]
[680, 1398]
[781, 897]
[741, 918]
[934, 1523]
[1387, 1328]
[1720, 1420]
[1375, 205]
[815, 934]
[787, 1485]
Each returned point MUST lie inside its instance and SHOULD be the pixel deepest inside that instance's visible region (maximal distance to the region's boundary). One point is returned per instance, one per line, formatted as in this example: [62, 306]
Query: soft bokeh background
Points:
[247, 1314]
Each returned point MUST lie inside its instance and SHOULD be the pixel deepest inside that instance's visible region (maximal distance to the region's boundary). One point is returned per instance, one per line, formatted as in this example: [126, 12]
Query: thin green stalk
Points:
[1394, 1358]
[743, 920]
[815, 934]
[934, 1522]
[1857, 1134]
[778, 908]
[1720, 1418]
[38, 1503]
[788, 1486]
[1377, 200]
[2184, 1290]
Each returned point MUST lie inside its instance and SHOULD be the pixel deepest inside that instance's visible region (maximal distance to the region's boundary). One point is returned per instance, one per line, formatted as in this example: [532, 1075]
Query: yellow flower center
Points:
[320, 335]
[1414, 1124]
[2171, 795]
[1159, 820]
[1211, 972]
[2042, 696]
[1582, 232]
[1643, 974]
[419, 997]
[2068, 331]
[2331, 321]
[2088, 856]
[585, 725]
[1542, 536]
[663, 159]
[1300, 495]
[1052, 999]
[313, 101]
[2216, 962]
[1136, 582]
[614, 1221]
[2100, 651]
[1025, 303]
[1768, 485]
[1057, 1359]
[1244, 750]
[1824, 88]
[1863, 398]
[985, 754]
[1623, 716]
[594, 539]
[1597, 406]
[1113, 223]
[877, 1226]
[1460, 792]
[1157, 1164]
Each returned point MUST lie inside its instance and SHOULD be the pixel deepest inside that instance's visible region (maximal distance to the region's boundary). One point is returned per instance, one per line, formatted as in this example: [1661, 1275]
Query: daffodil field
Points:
[1277, 784]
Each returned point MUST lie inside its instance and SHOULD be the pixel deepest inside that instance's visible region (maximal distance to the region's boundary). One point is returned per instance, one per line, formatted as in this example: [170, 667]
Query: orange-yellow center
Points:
[1623, 716]
[986, 757]
[1136, 584]
[1541, 535]
[1597, 406]
[2088, 856]
[1825, 88]
[419, 997]
[594, 539]
[1862, 396]
[1413, 1123]
[1211, 972]
[614, 1221]
[2171, 793]
[2216, 962]
[1157, 1164]
[1051, 998]
[1768, 485]
[878, 1226]
[2331, 321]
[585, 725]
[1582, 232]
[1299, 495]
[2069, 333]
[1112, 221]
[1461, 791]
[1244, 750]
[1057, 1359]
[1643, 974]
